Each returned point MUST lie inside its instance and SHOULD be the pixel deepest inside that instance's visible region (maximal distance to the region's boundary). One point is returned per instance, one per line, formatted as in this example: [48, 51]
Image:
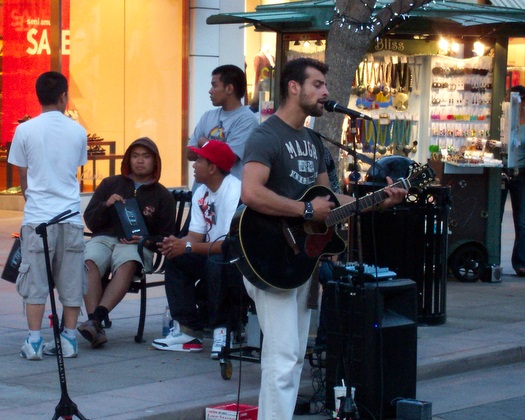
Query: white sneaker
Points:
[69, 347]
[32, 351]
[178, 341]
[219, 341]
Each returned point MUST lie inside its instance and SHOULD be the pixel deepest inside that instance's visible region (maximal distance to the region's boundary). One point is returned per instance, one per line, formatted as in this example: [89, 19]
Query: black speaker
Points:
[471, 203]
[372, 343]
[411, 239]
[469, 213]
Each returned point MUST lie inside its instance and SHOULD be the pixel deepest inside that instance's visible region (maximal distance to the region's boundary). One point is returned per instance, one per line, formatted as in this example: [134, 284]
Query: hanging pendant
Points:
[381, 149]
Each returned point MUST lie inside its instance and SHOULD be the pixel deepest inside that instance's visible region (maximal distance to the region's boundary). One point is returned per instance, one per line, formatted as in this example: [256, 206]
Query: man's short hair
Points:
[50, 86]
[296, 70]
[520, 89]
[232, 75]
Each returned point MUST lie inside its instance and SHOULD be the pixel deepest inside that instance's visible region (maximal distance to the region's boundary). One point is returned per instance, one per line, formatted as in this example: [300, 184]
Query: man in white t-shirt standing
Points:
[231, 122]
[48, 150]
[213, 205]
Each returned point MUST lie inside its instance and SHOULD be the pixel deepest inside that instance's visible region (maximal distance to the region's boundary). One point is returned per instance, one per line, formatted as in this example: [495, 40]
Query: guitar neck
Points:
[368, 201]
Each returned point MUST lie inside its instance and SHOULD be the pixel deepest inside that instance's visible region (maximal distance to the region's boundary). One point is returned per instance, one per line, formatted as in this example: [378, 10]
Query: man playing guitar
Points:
[282, 161]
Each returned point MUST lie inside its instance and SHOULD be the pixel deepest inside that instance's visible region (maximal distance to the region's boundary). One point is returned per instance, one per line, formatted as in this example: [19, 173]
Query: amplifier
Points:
[370, 273]
[492, 274]
[377, 273]
[365, 326]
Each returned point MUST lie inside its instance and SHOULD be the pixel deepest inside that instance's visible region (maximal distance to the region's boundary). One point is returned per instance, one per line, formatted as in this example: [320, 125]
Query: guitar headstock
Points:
[420, 176]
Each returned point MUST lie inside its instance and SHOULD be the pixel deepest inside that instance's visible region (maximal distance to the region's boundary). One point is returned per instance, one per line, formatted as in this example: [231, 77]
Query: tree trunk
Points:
[352, 30]
[345, 49]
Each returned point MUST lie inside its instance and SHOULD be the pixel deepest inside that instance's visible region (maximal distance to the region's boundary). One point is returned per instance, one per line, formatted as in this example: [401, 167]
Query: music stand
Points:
[66, 408]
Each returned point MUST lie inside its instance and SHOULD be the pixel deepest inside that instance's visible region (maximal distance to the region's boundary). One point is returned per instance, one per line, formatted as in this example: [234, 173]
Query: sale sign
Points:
[26, 55]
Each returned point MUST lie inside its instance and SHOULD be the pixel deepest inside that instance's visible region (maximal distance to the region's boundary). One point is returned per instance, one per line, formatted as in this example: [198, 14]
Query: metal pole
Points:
[55, 37]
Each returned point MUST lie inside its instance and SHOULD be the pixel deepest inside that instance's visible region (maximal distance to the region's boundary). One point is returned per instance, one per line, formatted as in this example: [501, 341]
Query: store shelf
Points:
[475, 165]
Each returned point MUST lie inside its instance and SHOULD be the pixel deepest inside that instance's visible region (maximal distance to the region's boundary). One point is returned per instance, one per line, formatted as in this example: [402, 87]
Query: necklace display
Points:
[408, 135]
[383, 133]
[399, 135]
[361, 89]
[358, 138]
[416, 73]
[369, 136]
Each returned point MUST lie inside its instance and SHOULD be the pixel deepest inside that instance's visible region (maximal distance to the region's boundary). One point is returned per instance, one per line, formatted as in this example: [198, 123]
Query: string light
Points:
[447, 47]
[479, 48]
[343, 19]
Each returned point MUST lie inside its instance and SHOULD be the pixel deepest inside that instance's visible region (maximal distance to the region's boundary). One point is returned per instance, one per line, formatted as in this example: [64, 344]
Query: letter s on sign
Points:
[30, 37]
[38, 46]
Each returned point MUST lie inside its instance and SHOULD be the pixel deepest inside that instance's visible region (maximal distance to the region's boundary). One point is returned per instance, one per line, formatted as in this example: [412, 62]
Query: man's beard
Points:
[312, 110]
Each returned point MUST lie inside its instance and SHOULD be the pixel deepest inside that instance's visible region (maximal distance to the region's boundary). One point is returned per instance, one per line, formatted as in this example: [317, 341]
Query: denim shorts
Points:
[66, 253]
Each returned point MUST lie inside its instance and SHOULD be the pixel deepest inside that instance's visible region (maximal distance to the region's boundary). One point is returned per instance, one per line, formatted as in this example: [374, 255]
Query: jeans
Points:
[517, 197]
[181, 274]
[285, 321]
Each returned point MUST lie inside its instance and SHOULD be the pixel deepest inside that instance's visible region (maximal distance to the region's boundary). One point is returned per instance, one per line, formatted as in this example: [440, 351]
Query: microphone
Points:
[333, 106]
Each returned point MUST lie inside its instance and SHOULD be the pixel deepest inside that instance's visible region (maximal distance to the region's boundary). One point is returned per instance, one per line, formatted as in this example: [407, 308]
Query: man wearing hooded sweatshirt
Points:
[106, 251]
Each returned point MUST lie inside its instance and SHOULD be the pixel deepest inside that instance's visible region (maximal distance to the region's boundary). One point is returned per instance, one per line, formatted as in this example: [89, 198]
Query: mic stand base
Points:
[66, 409]
[348, 409]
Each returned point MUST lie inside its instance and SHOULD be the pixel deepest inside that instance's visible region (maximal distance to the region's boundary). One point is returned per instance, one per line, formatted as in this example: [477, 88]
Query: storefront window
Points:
[310, 45]
[516, 63]
[28, 39]
[128, 76]
[126, 62]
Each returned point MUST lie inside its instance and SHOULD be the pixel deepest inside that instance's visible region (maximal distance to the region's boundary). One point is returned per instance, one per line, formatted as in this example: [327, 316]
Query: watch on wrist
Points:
[188, 247]
[308, 211]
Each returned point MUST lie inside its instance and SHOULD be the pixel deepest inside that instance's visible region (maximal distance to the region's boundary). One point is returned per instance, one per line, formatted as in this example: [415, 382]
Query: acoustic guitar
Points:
[282, 252]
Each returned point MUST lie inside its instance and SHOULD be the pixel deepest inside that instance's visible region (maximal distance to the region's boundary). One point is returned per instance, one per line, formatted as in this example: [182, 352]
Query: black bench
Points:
[141, 283]
[182, 198]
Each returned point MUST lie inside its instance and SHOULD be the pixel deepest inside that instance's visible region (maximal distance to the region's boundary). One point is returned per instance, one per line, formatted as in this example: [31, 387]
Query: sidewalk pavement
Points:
[485, 326]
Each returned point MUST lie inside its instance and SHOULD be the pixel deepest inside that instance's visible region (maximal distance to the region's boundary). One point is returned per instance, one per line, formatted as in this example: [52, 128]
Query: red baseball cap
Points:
[217, 152]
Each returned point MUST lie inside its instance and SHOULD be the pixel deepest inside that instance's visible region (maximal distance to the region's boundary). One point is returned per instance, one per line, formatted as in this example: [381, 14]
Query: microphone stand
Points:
[348, 409]
[66, 408]
[347, 149]
[352, 151]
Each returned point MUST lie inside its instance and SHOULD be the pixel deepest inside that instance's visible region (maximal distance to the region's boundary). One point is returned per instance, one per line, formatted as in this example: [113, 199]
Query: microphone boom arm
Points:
[352, 152]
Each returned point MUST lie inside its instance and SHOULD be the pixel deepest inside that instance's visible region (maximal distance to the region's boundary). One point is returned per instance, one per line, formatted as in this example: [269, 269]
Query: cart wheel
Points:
[226, 369]
[468, 262]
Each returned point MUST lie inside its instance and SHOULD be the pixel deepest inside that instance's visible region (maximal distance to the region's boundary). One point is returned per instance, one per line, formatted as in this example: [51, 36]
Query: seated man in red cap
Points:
[213, 205]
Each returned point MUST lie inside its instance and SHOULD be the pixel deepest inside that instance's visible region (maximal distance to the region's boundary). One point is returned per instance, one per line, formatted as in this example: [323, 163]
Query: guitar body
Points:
[280, 252]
